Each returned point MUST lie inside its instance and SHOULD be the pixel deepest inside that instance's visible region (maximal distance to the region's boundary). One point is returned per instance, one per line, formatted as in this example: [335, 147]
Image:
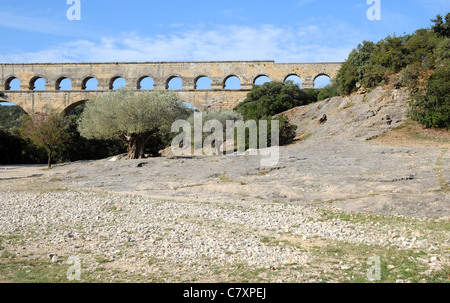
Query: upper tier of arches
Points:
[145, 82]
[234, 75]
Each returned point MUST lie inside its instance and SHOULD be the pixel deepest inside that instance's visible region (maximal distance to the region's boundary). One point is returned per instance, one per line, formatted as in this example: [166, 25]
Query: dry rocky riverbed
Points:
[322, 214]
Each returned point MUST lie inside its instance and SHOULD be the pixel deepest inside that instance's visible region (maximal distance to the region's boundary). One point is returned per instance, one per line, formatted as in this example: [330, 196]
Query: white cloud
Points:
[313, 43]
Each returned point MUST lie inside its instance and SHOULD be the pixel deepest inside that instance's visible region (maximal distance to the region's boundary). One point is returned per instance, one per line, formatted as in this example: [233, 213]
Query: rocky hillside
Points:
[358, 117]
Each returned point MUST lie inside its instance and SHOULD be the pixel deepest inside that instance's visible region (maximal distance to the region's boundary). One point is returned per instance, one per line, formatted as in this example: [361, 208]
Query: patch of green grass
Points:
[152, 261]
[7, 255]
[409, 127]
[319, 202]
[243, 273]
[102, 260]
[265, 239]
[445, 187]
[20, 270]
[395, 264]
[225, 178]
[304, 137]
[348, 105]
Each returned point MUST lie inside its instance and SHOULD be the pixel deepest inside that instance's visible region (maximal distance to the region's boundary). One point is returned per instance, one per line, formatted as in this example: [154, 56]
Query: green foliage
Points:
[287, 131]
[328, 91]
[441, 27]
[79, 148]
[15, 150]
[432, 107]
[371, 64]
[222, 116]
[10, 116]
[347, 78]
[421, 46]
[44, 130]
[132, 117]
[273, 98]
[422, 58]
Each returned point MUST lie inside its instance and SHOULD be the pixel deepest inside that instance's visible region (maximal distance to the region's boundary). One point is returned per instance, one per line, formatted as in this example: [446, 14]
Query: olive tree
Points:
[133, 117]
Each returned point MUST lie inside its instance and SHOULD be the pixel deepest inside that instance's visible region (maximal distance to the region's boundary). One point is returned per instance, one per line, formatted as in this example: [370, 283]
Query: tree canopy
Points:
[421, 61]
[44, 130]
[272, 98]
[441, 27]
[131, 117]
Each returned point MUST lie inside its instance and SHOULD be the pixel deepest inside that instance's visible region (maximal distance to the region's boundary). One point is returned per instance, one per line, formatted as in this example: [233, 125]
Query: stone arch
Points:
[9, 80]
[261, 76]
[85, 81]
[236, 103]
[69, 108]
[113, 80]
[188, 97]
[27, 111]
[321, 74]
[37, 78]
[206, 82]
[60, 80]
[171, 78]
[235, 79]
[189, 105]
[294, 77]
[144, 78]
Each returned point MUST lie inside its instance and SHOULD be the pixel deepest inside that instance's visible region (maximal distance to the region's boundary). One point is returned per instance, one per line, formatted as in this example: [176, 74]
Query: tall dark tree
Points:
[442, 27]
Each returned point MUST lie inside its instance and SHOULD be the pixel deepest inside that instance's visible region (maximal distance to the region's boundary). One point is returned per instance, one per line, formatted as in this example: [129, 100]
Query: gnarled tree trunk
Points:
[136, 145]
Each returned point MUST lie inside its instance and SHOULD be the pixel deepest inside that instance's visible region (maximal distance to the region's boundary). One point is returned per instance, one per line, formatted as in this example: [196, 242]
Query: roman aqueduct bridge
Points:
[218, 97]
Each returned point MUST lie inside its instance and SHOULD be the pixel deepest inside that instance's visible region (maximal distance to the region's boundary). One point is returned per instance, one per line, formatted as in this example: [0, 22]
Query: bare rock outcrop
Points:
[358, 117]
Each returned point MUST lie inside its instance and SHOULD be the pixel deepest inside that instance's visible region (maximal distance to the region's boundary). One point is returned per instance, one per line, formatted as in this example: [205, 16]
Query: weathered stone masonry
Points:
[161, 72]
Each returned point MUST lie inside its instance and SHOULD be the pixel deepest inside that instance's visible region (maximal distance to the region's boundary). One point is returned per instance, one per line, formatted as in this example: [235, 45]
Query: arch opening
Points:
[190, 106]
[4, 102]
[117, 83]
[203, 82]
[174, 83]
[146, 83]
[12, 83]
[89, 83]
[260, 80]
[232, 82]
[321, 81]
[37, 84]
[63, 83]
[294, 79]
[79, 105]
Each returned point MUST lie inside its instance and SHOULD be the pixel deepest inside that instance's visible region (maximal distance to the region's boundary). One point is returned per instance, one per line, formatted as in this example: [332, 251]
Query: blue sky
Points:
[284, 31]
